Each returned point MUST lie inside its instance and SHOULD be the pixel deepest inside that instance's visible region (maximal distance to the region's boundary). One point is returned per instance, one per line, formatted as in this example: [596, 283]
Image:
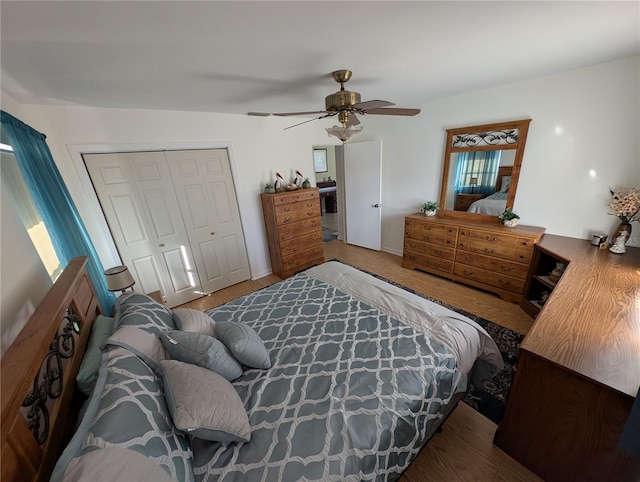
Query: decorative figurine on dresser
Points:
[294, 230]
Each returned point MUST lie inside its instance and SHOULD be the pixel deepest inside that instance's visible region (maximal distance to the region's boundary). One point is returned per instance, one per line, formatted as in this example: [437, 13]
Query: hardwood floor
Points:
[464, 450]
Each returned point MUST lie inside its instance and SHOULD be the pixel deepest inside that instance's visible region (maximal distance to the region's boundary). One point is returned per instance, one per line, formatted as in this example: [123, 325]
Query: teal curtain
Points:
[53, 202]
[481, 165]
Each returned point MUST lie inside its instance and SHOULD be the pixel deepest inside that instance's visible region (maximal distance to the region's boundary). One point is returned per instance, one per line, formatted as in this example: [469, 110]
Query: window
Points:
[477, 171]
[320, 160]
[12, 181]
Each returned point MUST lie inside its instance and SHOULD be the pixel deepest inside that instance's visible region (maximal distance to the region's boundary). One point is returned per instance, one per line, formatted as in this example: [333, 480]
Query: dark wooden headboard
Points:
[502, 171]
[36, 426]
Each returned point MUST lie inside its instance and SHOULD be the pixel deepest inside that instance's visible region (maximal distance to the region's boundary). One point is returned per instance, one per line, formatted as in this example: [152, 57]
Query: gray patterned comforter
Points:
[361, 372]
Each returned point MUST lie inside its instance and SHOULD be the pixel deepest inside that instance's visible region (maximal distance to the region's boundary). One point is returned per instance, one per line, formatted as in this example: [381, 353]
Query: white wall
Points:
[258, 148]
[583, 139]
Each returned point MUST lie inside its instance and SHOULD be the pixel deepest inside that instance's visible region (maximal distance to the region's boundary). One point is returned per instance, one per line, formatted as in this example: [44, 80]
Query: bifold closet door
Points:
[148, 218]
[207, 199]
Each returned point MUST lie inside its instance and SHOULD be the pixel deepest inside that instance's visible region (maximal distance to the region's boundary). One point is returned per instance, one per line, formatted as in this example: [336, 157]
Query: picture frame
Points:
[320, 160]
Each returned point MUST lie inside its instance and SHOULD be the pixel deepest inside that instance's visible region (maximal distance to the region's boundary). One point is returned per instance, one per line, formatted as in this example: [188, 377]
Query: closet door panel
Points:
[140, 205]
[207, 198]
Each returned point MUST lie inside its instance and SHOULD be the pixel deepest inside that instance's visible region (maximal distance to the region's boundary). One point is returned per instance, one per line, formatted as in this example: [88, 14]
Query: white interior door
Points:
[363, 193]
[139, 201]
[207, 198]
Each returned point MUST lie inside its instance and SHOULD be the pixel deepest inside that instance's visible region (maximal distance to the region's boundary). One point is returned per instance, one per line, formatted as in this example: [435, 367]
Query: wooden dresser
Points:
[294, 230]
[463, 201]
[482, 254]
[578, 371]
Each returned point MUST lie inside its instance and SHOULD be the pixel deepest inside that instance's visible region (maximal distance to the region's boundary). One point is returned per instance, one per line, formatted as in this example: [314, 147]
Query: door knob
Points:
[213, 233]
[376, 205]
[161, 245]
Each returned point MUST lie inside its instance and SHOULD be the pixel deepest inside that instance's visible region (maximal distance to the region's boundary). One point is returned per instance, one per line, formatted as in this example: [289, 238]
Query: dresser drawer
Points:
[295, 245]
[298, 229]
[298, 259]
[452, 236]
[295, 196]
[440, 252]
[470, 272]
[510, 268]
[493, 244]
[472, 259]
[306, 263]
[464, 239]
[414, 246]
[439, 264]
[524, 250]
[415, 258]
[505, 282]
[435, 234]
[295, 215]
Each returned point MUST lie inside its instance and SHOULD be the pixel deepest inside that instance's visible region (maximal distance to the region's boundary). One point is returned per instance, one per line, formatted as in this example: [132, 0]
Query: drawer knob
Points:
[507, 268]
[439, 252]
[468, 273]
[472, 259]
[489, 250]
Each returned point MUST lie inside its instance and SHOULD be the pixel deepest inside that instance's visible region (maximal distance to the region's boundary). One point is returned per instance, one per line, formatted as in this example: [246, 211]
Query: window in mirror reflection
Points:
[477, 172]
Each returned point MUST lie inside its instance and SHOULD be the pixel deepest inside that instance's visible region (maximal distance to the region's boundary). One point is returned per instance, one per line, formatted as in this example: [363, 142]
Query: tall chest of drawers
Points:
[294, 230]
[484, 255]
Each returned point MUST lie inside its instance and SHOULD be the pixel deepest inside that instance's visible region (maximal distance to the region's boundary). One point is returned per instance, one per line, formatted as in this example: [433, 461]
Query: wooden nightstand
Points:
[156, 295]
[463, 201]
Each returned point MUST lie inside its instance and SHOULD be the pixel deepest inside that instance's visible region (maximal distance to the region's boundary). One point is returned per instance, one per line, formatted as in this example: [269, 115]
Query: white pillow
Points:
[204, 404]
[187, 319]
[506, 182]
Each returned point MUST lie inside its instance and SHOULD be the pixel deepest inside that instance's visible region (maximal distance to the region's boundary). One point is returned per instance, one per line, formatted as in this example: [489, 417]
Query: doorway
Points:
[324, 163]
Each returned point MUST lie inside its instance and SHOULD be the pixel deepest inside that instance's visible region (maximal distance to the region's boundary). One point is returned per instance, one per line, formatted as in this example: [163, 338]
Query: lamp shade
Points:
[473, 181]
[119, 278]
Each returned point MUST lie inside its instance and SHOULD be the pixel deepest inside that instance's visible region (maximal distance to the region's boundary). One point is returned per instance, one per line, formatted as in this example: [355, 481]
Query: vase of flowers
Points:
[509, 218]
[429, 208]
[626, 207]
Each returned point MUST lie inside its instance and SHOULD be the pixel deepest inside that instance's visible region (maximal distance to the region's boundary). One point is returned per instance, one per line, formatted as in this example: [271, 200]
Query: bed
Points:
[358, 375]
[494, 204]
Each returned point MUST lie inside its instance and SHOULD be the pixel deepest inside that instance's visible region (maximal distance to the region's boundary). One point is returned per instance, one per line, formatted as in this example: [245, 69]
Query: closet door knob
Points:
[161, 245]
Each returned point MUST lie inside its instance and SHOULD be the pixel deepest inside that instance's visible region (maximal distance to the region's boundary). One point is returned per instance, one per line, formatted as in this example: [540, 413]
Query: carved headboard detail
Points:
[39, 397]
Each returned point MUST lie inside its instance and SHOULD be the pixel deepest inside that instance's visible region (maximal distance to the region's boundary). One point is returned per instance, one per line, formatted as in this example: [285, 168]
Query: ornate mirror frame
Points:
[486, 137]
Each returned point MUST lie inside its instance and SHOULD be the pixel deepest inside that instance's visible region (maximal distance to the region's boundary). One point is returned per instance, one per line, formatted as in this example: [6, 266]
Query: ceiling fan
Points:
[346, 104]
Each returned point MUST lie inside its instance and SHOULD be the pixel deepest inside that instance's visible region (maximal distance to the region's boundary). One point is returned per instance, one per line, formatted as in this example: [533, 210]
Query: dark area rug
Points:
[328, 235]
[490, 398]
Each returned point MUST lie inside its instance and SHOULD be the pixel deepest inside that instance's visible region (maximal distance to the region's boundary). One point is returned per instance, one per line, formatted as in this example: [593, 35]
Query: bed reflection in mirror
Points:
[480, 181]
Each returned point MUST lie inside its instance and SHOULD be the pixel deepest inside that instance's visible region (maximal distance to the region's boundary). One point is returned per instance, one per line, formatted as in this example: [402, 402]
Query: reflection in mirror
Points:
[481, 170]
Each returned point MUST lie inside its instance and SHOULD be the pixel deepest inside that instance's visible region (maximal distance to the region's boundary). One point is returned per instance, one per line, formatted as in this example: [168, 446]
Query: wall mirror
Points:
[481, 169]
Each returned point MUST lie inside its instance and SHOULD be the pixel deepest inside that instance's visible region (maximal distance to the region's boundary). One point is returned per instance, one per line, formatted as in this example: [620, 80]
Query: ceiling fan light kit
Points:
[347, 104]
[344, 133]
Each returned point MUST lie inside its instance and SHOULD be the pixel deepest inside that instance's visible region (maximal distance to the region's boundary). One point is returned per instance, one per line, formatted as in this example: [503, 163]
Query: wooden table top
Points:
[590, 324]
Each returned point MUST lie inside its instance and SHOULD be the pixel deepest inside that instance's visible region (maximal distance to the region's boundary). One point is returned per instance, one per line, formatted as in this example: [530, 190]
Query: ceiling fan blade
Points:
[310, 120]
[301, 113]
[372, 104]
[393, 111]
[353, 120]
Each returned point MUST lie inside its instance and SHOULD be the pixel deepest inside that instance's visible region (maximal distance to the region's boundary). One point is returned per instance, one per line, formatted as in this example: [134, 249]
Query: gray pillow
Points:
[244, 343]
[188, 319]
[141, 343]
[204, 404]
[202, 350]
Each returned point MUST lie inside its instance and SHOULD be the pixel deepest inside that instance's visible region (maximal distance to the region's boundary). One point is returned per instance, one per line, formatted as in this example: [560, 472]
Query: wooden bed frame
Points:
[40, 401]
[502, 171]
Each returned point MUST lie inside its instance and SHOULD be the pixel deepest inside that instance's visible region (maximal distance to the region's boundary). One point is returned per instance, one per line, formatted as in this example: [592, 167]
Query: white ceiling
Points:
[237, 57]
